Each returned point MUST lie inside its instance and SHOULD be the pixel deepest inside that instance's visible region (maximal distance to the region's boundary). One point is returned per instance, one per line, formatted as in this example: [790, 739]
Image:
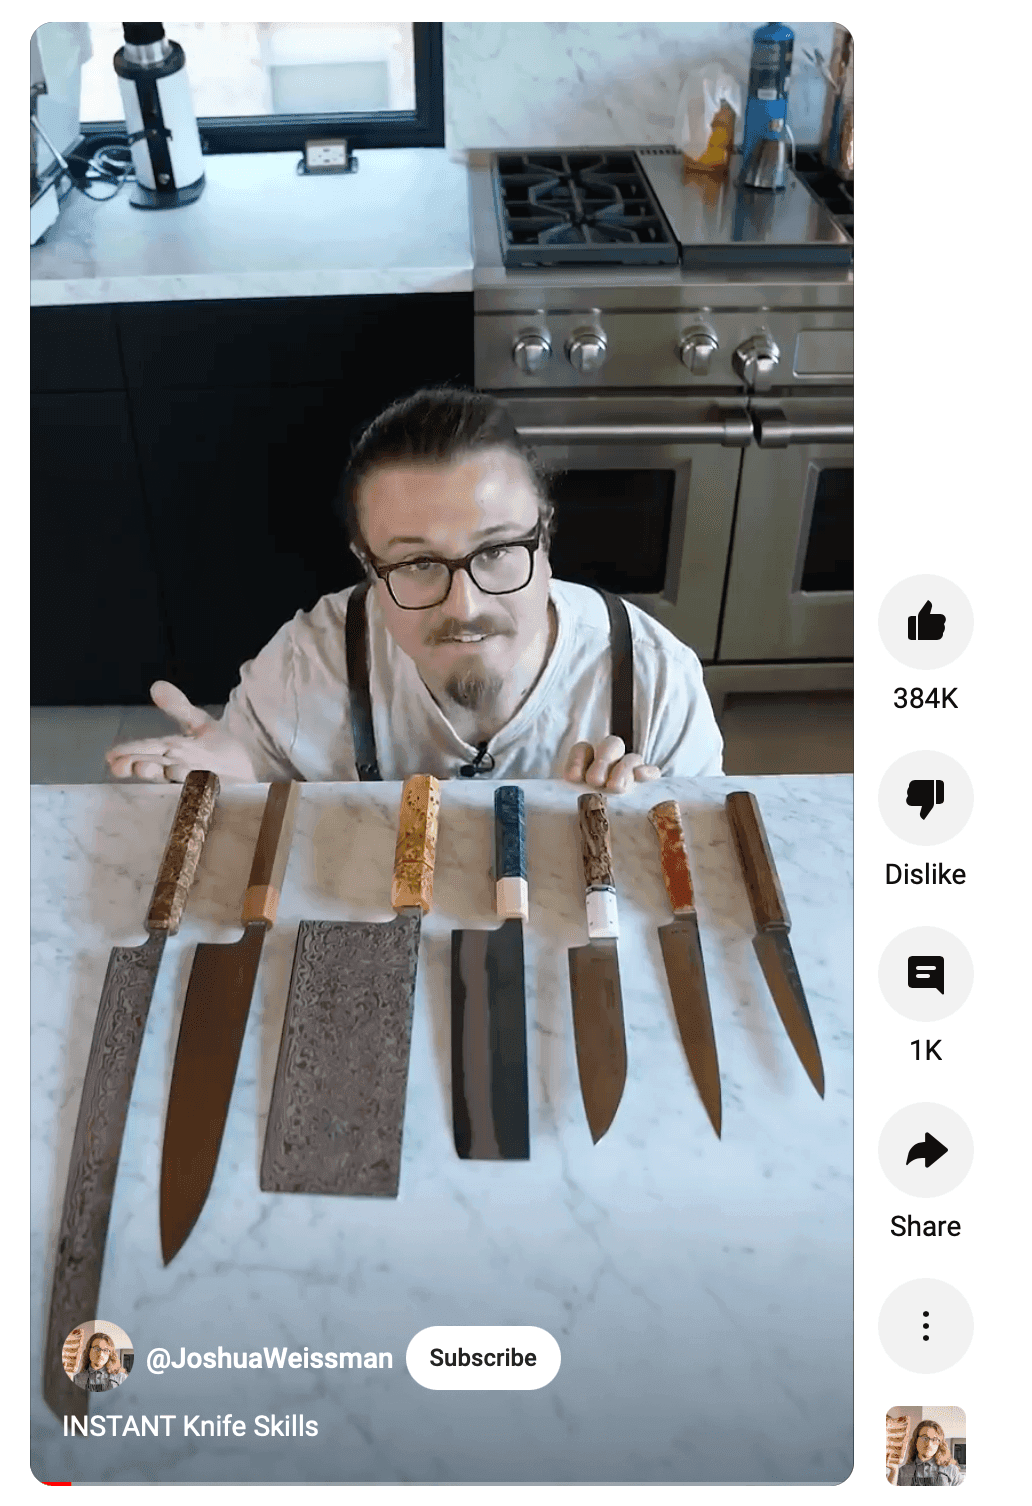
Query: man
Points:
[459, 654]
[930, 1461]
[100, 1369]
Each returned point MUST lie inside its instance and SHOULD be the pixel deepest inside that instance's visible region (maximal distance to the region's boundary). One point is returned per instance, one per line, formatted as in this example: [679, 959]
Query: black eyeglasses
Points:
[495, 569]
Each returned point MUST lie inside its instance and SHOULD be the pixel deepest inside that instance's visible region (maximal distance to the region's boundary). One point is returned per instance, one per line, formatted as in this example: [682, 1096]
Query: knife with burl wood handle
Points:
[598, 1023]
[682, 957]
[107, 1088]
[211, 1032]
[771, 943]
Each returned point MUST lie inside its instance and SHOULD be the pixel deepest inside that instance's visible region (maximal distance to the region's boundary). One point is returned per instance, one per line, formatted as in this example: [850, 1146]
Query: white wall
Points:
[560, 83]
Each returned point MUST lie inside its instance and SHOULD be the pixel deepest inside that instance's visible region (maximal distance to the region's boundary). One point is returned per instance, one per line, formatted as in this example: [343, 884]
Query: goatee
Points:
[472, 690]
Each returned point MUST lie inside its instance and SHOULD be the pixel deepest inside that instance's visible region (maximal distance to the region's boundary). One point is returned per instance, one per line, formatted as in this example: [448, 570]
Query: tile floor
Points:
[763, 734]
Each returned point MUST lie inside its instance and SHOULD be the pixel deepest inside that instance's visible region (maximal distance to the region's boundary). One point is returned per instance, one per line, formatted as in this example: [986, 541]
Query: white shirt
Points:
[292, 712]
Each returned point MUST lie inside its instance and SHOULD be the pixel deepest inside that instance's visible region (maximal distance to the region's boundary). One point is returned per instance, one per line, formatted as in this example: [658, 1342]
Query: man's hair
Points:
[115, 1367]
[442, 425]
[942, 1456]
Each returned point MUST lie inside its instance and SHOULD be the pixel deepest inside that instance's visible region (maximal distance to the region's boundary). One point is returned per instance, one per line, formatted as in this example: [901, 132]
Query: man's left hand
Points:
[607, 767]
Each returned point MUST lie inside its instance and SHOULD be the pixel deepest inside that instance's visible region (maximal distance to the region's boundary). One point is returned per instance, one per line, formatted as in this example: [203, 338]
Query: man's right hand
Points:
[200, 744]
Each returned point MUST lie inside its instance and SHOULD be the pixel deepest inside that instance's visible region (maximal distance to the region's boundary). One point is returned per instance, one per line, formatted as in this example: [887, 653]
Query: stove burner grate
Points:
[835, 193]
[580, 207]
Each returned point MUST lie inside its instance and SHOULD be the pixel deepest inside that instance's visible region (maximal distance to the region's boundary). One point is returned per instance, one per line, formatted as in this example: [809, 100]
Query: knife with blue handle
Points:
[490, 1116]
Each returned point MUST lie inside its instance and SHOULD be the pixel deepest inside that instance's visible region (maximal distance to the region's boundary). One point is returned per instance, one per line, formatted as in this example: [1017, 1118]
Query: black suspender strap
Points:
[621, 721]
[356, 641]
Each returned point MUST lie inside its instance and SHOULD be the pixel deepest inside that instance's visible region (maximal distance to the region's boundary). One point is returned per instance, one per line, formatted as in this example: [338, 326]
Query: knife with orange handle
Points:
[218, 1001]
[682, 957]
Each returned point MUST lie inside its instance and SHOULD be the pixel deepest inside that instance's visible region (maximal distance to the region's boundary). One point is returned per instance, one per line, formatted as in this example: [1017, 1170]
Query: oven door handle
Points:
[732, 427]
[776, 432]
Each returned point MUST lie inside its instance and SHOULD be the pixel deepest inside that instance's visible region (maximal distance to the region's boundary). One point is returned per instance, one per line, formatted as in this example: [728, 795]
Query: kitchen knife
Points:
[598, 1024]
[107, 1087]
[771, 943]
[218, 998]
[682, 957]
[489, 1016]
[338, 1098]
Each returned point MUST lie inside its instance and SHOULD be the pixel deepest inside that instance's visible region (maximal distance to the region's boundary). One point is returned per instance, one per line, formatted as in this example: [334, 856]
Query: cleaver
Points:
[218, 1001]
[114, 1052]
[489, 1013]
[598, 1024]
[771, 943]
[338, 1098]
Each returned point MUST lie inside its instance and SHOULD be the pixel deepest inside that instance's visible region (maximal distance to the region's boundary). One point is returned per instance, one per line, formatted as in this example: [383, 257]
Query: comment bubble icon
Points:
[927, 972]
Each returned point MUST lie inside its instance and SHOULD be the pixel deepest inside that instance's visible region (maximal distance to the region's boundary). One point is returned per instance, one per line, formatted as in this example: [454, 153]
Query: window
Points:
[265, 86]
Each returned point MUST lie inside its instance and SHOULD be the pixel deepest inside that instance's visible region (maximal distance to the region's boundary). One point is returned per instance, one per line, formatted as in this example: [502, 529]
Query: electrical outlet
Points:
[324, 156]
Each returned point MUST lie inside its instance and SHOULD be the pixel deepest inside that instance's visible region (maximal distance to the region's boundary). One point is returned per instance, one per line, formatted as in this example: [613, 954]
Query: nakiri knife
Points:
[598, 1023]
[490, 1118]
[338, 1099]
[107, 1088]
[218, 1000]
[682, 957]
[771, 942]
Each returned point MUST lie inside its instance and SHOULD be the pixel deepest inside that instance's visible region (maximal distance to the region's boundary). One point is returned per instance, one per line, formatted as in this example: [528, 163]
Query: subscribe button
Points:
[483, 1359]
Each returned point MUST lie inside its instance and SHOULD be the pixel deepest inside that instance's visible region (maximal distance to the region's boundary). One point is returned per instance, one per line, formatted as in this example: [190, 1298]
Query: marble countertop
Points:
[700, 1290]
[400, 224]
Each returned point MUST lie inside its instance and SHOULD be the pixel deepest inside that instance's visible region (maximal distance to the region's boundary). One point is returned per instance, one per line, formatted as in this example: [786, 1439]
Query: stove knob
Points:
[755, 361]
[586, 350]
[531, 351]
[697, 346]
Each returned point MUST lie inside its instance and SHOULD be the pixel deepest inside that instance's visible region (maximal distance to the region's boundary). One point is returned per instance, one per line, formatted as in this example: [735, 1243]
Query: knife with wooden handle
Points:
[211, 1032]
[490, 1118]
[598, 1023]
[771, 944]
[682, 957]
[107, 1088]
[338, 1099]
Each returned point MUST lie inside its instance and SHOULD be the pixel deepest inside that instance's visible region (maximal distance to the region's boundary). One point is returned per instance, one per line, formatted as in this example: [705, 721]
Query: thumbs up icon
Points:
[927, 625]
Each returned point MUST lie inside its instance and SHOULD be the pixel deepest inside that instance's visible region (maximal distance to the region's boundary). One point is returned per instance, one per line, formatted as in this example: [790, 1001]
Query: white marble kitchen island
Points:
[700, 1290]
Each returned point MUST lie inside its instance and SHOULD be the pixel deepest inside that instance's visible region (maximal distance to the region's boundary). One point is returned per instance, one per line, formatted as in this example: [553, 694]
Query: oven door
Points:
[644, 491]
[790, 582]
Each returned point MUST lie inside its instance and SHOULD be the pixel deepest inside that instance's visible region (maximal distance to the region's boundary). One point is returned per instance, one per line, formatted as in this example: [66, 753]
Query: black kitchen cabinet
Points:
[244, 515]
[98, 630]
[75, 349]
[212, 474]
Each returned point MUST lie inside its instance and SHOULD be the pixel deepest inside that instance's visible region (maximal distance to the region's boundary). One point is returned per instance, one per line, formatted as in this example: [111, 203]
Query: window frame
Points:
[423, 126]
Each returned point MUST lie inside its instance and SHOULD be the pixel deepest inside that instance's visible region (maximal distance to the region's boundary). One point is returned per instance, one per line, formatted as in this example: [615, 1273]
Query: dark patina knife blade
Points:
[107, 1088]
[774, 950]
[211, 1032]
[338, 1098]
[771, 943]
[598, 1023]
[490, 1118]
[682, 957]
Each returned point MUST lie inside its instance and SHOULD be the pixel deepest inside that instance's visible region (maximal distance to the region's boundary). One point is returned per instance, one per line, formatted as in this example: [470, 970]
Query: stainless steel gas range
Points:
[685, 367]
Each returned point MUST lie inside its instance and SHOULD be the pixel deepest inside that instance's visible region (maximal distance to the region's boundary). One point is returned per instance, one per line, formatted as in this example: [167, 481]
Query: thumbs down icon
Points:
[926, 793]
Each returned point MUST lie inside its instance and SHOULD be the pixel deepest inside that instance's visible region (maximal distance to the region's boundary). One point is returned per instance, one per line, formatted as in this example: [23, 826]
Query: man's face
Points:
[100, 1354]
[927, 1444]
[412, 509]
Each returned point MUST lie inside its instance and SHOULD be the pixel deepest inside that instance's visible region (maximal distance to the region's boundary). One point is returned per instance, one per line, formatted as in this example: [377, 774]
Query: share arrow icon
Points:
[929, 1150]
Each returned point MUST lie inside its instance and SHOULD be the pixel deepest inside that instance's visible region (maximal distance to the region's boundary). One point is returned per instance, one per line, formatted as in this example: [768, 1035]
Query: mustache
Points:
[452, 628]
